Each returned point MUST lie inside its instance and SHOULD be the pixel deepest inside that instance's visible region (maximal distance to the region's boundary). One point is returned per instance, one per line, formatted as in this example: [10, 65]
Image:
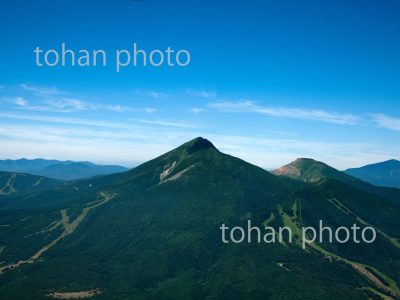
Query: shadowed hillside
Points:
[153, 233]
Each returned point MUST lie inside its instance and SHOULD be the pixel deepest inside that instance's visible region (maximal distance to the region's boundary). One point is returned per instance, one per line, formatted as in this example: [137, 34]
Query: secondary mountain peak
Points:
[310, 170]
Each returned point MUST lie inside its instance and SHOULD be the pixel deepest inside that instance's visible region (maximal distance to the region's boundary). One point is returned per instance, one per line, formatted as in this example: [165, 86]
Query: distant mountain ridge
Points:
[386, 173]
[15, 184]
[63, 170]
[313, 171]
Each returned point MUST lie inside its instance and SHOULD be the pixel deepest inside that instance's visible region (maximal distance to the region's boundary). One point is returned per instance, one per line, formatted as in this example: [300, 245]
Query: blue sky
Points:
[269, 81]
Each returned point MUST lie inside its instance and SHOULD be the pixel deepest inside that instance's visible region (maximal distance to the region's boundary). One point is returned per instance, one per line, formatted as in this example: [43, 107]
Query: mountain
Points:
[386, 173]
[309, 170]
[153, 232]
[23, 165]
[15, 184]
[78, 170]
[63, 170]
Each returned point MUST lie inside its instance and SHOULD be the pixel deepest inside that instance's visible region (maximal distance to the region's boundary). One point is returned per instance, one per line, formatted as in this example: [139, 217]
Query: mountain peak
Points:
[386, 173]
[197, 144]
[391, 162]
[305, 160]
[308, 169]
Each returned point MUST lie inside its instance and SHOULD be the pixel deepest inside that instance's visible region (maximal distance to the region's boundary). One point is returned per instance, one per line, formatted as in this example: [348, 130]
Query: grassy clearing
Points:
[347, 211]
[9, 187]
[383, 296]
[376, 277]
[269, 220]
[75, 295]
[69, 228]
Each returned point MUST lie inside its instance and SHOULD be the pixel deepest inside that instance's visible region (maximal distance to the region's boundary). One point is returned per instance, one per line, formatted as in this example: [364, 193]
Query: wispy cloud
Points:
[167, 123]
[27, 130]
[65, 120]
[135, 143]
[196, 110]
[202, 94]
[52, 99]
[42, 91]
[387, 122]
[150, 110]
[21, 102]
[152, 94]
[129, 124]
[278, 132]
[121, 108]
[247, 106]
[67, 104]
[55, 105]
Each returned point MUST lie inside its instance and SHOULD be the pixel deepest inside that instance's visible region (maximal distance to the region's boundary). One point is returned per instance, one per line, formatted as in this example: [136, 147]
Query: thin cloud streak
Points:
[285, 112]
[196, 110]
[74, 105]
[42, 91]
[100, 143]
[52, 99]
[166, 123]
[96, 122]
[202, 94]
[387, 122]
[66, 120]
[152, 94]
